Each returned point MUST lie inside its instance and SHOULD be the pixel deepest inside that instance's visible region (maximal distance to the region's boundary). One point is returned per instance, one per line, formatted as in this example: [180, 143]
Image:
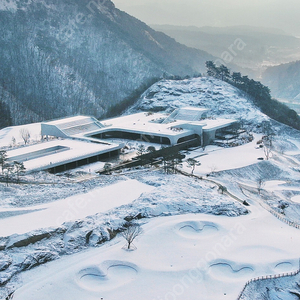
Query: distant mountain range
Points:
[264, 46]
[284, 81]
[70, 57]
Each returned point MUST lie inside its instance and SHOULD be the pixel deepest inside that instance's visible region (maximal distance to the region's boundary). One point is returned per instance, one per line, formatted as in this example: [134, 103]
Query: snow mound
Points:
[230, 271]
[221, 98]
[11, 136]
[268, 170]
[111, 275]
[284, 267]
[194, 229]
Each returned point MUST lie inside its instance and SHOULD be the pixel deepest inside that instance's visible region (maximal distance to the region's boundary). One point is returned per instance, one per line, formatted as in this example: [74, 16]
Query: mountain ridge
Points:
[264, 46]
[62, 58]
[284, 80]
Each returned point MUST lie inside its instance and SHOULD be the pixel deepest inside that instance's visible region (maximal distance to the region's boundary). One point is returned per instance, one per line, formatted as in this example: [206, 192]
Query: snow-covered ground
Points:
[75, 207]
[12, 134]
[197, 242]
[215, 159]
[178, 257]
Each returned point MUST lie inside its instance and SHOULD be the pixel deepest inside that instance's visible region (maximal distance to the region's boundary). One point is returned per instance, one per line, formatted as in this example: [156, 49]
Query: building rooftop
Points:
[78, 125]
[54, 153]
[142, 122]
[67, 120]
[217, 124]
[186, 114]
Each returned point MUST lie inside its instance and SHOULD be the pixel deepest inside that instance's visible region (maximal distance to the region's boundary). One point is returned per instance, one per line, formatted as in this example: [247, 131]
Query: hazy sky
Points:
[284, 14]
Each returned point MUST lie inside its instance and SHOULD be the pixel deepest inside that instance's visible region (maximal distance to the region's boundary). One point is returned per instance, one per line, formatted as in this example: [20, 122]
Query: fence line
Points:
[283, 219]
[279, 216]
[272, 211]
[267, 277]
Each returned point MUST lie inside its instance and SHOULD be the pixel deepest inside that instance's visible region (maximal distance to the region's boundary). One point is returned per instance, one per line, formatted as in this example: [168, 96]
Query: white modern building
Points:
[182, 125]
[81, 140]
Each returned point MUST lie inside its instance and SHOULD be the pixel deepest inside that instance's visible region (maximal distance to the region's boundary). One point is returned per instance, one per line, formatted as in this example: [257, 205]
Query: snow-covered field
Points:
[197, 243]
[75, 207]
[215, 159]
[178, 257]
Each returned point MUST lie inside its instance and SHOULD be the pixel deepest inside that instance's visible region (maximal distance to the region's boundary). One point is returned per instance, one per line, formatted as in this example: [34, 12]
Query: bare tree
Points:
[260, 182]
[267, 142]
[3, 159]
[267, 139]
[213, 169]
[13, 141]
[132, 230]
[281, 149]
[193, 163]
[19, 169]
[25, 135]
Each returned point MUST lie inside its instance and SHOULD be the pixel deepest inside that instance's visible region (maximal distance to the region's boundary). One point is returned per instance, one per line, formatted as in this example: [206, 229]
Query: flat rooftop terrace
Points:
[144, 123]
[48, 155]
[217, 124]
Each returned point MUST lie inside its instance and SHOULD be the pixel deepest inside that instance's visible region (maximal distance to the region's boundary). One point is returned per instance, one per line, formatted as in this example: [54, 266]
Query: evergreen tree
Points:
[259, 93]
[211, 68]
[19, 169]
[236, 77]
[192, 163]
[224, 73]
[141, 150]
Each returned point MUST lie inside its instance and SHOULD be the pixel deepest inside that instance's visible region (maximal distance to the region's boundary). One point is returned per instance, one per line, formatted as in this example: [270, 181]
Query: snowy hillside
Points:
[220, 97]
[61, 58]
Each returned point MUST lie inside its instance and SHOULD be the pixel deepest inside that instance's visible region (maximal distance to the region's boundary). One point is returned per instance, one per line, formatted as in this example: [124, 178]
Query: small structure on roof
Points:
[71, 127]
[186, 114]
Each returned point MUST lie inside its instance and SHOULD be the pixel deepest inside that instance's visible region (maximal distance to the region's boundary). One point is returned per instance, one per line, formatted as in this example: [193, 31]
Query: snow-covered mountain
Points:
[61, 58]
[221, 98]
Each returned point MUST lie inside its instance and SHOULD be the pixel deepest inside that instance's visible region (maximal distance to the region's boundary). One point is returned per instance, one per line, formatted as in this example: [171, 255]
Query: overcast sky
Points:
[283, 14]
